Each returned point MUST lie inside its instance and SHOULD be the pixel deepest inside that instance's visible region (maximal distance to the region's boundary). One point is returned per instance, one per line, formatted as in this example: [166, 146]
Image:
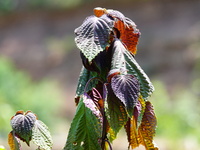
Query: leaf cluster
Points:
[113, 89]
[26, 127]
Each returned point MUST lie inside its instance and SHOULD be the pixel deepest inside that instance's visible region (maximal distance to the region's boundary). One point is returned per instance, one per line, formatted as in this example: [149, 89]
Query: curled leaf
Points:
[89, 103]
[129, 34]
[22, 125]
[148, 127]
[115, 111]
[13, 141]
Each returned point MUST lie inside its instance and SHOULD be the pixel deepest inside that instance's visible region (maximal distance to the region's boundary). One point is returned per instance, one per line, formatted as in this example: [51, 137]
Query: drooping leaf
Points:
[132, 133]
[13, 141]
[93, 35]
[100, 64]
[140, 110]
[115, 14]
[115, 111]
[89, 103]
[22, 124]
[146, 87]
[85, 130]
[128, 34]
[132, 125]
[148, 127]
[137, 111]
[84, 77]
[41, 136]
[126, 88]
[118, 60]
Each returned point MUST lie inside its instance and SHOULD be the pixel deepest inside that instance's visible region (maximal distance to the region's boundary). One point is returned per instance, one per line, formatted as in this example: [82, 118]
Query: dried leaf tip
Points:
[98, 11]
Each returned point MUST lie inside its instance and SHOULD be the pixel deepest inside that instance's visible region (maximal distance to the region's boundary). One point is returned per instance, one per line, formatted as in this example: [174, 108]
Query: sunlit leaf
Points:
[126, 88]
[85, 130]
[115, 111]
[118, 60]
[41, 136]
[148, 127]
[93, 35]
[22, 125]
[146, 87]
[13, 141]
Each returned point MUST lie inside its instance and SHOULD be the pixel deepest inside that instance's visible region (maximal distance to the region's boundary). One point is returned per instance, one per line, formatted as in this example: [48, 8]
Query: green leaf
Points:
[85, 75]
[118, 60]
[22, 125]
[115, 111]
[41, 136]
[93, 35]
[146, 87]
[85, 130]
[126, 88]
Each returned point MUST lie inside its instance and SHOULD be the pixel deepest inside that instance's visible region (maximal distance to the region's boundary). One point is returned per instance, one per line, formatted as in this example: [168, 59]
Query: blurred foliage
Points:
[178, 115]
[13, 5]
[19, 92]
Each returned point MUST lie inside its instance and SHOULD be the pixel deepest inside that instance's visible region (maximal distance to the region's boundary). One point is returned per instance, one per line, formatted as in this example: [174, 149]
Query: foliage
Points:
[177, 112]
[113, 90]
[19, 92]
[26, 127]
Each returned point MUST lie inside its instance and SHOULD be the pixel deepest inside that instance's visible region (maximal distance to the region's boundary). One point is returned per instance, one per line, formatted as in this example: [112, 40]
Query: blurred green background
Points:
[40, 64]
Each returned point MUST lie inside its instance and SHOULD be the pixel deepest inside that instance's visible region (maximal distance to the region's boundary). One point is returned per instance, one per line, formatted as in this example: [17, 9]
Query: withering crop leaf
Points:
[129, 34]
[22, 124]
[13, 141]
[148, 127]
[126, 88]
[132, 133]
[93, 35]
[41, 136]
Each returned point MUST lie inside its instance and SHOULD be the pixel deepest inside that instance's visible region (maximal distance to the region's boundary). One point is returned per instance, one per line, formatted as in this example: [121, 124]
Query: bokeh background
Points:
[40, 64]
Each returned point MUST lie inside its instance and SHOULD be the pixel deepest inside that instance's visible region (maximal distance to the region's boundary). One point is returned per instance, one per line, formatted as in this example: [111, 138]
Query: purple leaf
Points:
[89, 103]
[126, 88]
[22, 125]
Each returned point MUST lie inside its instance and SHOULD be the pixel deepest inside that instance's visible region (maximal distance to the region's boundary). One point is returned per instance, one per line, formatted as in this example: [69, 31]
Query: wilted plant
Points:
[113, 90]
